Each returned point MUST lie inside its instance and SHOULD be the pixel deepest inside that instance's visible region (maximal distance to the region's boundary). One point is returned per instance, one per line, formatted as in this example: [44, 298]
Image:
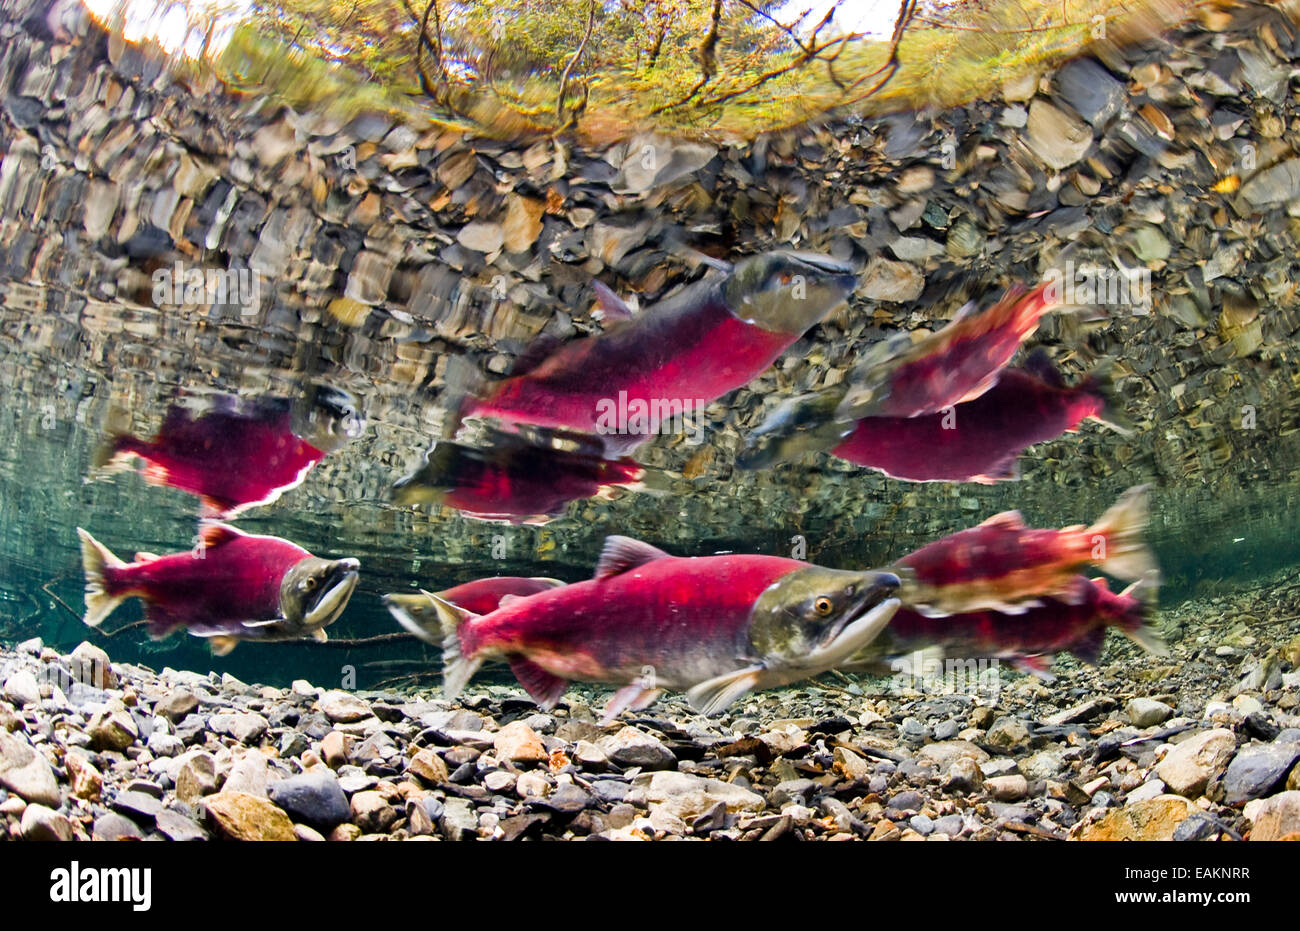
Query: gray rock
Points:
[344, 707]
[1147, 712]
[1044, 764]
[137, 806]
[314, 797]
[1257, 770]
[21, 688]
[244, 726]
[1190, 765]
[176, 826]
[112, 730]
[177, 704]
[631, 747]
[25, 772]
[90, 666]
[45, 824]
[1056, 138]
[1275, 185]
[952, 825]
[897, 282]
[115, 827]
[1007, 733]
[1091, 90]
[1148, 790]
[458, 822]
[160, 743]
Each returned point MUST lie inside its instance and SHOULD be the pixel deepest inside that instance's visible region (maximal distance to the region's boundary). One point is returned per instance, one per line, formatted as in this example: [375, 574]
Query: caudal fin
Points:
[1124, 552]
[436, 620]
[96, 559]
[118, 447]
[464, 385]
[1136, 623]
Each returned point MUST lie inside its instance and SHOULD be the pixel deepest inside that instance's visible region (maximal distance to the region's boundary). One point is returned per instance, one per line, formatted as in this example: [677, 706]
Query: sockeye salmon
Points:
[671, 359]
[481, 596]
[516, 481]
[716, 626]
[1002, 565]
[233, 586]
[1077, 625]
[900, 378]
[240, 454]
[981, 440]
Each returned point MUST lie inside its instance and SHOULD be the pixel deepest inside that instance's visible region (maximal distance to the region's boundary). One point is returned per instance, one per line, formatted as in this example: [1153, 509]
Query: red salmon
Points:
[717, 626]
[233, 586]
[1002, 565]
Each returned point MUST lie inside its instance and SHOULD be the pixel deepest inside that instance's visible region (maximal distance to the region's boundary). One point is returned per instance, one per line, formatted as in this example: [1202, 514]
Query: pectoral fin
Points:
[635, 696]
[717, 694]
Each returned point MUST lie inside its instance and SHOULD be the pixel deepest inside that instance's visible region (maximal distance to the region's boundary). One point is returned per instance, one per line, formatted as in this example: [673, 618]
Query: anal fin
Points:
[543, 687]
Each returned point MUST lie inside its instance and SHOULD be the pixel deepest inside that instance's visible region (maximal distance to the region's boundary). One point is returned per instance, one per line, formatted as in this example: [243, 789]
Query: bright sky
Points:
[169, 21]
[871, 17]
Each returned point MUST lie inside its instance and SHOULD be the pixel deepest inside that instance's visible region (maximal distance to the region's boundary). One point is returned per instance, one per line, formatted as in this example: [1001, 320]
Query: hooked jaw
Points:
[788, 292]
[330, 592]
[861, 624]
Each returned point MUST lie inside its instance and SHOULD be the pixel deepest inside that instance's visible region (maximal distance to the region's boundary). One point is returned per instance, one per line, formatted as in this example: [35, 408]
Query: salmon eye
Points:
[308, 584]
[823, 606]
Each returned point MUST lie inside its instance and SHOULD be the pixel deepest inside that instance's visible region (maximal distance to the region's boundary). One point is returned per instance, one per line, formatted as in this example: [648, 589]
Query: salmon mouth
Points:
[334, 593]
[865, 618]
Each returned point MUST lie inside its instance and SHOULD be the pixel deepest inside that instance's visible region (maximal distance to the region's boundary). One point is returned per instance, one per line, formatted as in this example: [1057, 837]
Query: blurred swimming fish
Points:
[513, 480]
[900, 378]
[668, 361]
[1002, 565]
[240, 453]
[233, 586]
[717, 626]
[418, 612]
[981, 440]
[1076, 625]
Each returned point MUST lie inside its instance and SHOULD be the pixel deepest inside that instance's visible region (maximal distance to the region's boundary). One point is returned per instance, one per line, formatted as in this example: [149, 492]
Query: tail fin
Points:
[96, 559]
[1136, 622]
[1125, 552]
[1100, 384]
[114, 453]
[438, 621]
[464, 383]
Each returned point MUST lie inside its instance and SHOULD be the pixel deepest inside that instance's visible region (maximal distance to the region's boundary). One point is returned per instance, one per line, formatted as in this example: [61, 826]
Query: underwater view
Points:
[650, 420]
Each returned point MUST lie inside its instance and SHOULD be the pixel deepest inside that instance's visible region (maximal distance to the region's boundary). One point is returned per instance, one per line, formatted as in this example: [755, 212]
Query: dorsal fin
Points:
[538, 351]
[1039, 364]
[214, 533]
[509, 600]
[1100, 582]
[146, 557]
[623, 553]
[610, 304]
[1008, 520]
